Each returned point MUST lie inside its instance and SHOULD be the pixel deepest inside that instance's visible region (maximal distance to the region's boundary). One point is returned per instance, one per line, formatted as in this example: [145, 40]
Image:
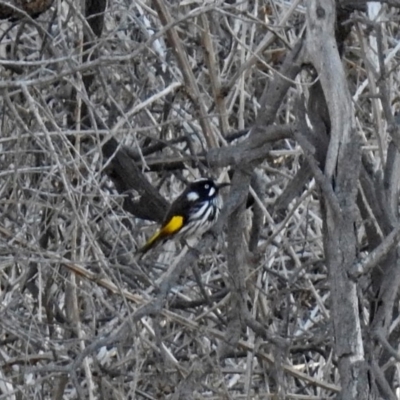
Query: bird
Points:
[191, 214]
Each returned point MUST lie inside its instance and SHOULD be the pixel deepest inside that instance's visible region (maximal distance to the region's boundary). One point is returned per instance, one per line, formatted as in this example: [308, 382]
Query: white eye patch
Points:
[192, 196]
[211, 192]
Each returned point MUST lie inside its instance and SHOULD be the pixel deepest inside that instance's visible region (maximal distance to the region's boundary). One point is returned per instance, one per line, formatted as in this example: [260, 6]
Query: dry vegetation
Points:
[99, 102]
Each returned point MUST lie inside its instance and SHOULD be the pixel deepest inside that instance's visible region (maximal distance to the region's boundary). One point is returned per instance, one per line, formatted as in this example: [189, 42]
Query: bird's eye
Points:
[207, 186]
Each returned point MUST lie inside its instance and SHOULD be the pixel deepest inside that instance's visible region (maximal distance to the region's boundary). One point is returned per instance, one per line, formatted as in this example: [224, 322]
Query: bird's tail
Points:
[151, 242]
[172, 227]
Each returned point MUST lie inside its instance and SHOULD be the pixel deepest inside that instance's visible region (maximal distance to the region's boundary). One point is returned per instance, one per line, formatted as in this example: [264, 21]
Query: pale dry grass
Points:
[69, 278]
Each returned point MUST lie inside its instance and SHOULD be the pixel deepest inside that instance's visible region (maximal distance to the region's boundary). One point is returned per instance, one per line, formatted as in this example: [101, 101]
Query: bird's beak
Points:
[223, 184]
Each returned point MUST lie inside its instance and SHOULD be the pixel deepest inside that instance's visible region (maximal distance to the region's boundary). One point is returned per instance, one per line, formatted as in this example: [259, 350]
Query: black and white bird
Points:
[193, 213]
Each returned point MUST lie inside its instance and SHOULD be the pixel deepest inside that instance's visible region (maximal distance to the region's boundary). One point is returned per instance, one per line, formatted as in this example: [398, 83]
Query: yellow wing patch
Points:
[171, 227]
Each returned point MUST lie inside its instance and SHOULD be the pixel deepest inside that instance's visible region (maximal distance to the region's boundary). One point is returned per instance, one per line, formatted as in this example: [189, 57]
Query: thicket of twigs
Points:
[96, 99]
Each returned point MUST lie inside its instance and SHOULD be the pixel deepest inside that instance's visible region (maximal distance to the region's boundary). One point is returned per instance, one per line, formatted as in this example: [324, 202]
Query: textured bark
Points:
[32, 8]
[341, 170]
